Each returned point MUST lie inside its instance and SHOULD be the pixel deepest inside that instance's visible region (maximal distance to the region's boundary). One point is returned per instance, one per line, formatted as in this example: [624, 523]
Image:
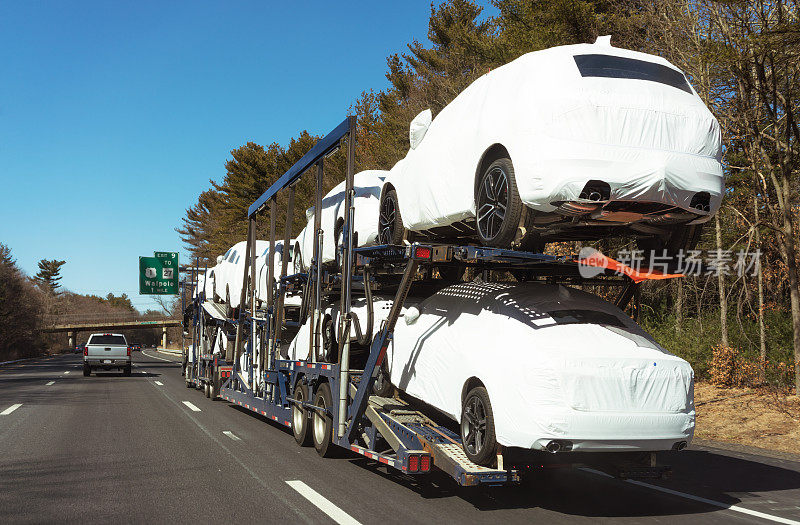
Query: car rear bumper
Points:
[107, 363]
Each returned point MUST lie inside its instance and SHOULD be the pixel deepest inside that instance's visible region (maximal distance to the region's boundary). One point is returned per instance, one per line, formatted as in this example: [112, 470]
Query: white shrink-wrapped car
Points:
[576, 142]
[367, 185]
[229, 273]
[536, 367]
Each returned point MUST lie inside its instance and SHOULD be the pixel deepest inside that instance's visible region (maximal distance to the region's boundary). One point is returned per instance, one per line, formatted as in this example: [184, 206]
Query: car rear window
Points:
[622, 67]
[116, 340]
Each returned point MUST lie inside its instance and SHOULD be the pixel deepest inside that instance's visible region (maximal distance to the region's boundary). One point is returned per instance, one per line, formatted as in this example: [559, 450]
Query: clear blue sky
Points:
[115, 115]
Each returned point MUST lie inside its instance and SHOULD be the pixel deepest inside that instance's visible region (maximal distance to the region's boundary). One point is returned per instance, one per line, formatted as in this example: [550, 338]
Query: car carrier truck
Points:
[337, 398]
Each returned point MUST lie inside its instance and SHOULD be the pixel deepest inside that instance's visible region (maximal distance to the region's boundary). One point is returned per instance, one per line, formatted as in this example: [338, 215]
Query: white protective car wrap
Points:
[367, 185]
[599, 137]
[557, 363]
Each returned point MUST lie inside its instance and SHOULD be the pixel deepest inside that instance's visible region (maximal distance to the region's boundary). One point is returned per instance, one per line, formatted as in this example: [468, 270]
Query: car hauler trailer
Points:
[325, 399]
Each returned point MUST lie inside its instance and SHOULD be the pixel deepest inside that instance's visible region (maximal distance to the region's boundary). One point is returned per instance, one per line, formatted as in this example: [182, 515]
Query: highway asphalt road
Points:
[144, 448]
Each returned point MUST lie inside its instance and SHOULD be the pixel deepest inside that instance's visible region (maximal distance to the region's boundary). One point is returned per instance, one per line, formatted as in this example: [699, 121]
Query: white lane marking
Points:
[728, 506]
[159, 358]
[159, 383]
[67, 372]
[692, 497]
[334, 512]
[191, 406]
[50, 383]
[10, 409]
[231, 435]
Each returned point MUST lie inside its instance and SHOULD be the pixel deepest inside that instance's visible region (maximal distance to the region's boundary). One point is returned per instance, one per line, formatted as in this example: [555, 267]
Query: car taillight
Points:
[413, 463]
[85, 350]
[129, 351]
[424, 463]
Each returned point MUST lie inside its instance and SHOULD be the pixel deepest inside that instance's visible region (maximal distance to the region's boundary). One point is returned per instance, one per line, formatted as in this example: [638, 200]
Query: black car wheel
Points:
[390, 223]
[477, 427]
[498, 207]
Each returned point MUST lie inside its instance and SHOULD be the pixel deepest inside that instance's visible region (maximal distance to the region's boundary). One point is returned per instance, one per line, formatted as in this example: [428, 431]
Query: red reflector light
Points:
[413, 463]
[85, 350]
[424, 463]
[422, 252]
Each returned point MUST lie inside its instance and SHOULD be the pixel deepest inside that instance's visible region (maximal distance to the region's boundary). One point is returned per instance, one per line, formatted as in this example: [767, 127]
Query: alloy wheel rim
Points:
[386, 220]
[492, 203]
[473, 425]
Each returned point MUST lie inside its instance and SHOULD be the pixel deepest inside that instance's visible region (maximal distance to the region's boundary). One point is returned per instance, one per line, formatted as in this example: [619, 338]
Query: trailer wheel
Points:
[206, 390]
[323, 424]
[300, 420]
[188, 377]
[477, 427]
[212, 390]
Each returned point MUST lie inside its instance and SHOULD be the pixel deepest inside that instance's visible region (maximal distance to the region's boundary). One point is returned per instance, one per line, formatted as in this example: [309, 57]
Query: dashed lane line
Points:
[50, 383]
[159, 358]
[334, 512]
[159, 383]
[67, 372]
[10, 409]
[191, 406]
[231, 435]
[727, 506]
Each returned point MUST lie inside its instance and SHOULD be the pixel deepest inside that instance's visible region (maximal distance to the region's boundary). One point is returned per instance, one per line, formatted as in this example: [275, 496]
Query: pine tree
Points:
[49, 275]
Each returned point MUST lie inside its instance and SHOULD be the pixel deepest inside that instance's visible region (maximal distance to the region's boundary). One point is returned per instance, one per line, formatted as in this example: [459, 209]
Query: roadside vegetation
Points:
[30, 305]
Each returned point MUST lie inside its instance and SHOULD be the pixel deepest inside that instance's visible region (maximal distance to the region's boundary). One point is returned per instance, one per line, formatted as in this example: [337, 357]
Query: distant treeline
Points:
[742, 57]
[29, 304]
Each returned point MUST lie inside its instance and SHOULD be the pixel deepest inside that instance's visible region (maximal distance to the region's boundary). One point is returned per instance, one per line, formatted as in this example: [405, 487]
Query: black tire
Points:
[330, 347]
[126, 371]
[684, 237]
[383, 386]
[498, 207]
[477, 427]
[297, 260]
[390, 222]
[322, 430]
[301, 422]
[228, 307]
[87, 371]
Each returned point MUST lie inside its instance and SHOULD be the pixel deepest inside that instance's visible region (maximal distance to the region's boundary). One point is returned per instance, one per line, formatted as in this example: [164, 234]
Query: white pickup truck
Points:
[107, 351]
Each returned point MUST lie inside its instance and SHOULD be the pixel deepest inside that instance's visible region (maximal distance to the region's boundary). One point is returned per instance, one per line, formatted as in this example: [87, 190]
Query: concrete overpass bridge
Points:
[73, 328]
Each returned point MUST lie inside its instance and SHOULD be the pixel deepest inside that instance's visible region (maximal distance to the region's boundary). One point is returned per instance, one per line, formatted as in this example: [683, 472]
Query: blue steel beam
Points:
[327, 144]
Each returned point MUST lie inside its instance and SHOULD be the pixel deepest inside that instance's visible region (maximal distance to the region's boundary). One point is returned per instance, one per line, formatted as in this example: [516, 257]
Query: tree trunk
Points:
[723, 300]
[787, 240]
[762, 336]
[679, 306]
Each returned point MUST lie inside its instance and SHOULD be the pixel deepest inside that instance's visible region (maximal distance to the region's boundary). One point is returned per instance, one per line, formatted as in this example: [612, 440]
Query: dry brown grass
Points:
[765, 418]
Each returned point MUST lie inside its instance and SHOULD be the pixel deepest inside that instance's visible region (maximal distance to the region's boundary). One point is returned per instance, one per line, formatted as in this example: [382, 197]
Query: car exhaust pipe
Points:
[553, 447]
[595, 196]
[680, 445]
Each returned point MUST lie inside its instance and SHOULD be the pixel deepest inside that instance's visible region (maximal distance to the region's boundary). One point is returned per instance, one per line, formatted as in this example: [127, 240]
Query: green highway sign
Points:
[159, 275]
